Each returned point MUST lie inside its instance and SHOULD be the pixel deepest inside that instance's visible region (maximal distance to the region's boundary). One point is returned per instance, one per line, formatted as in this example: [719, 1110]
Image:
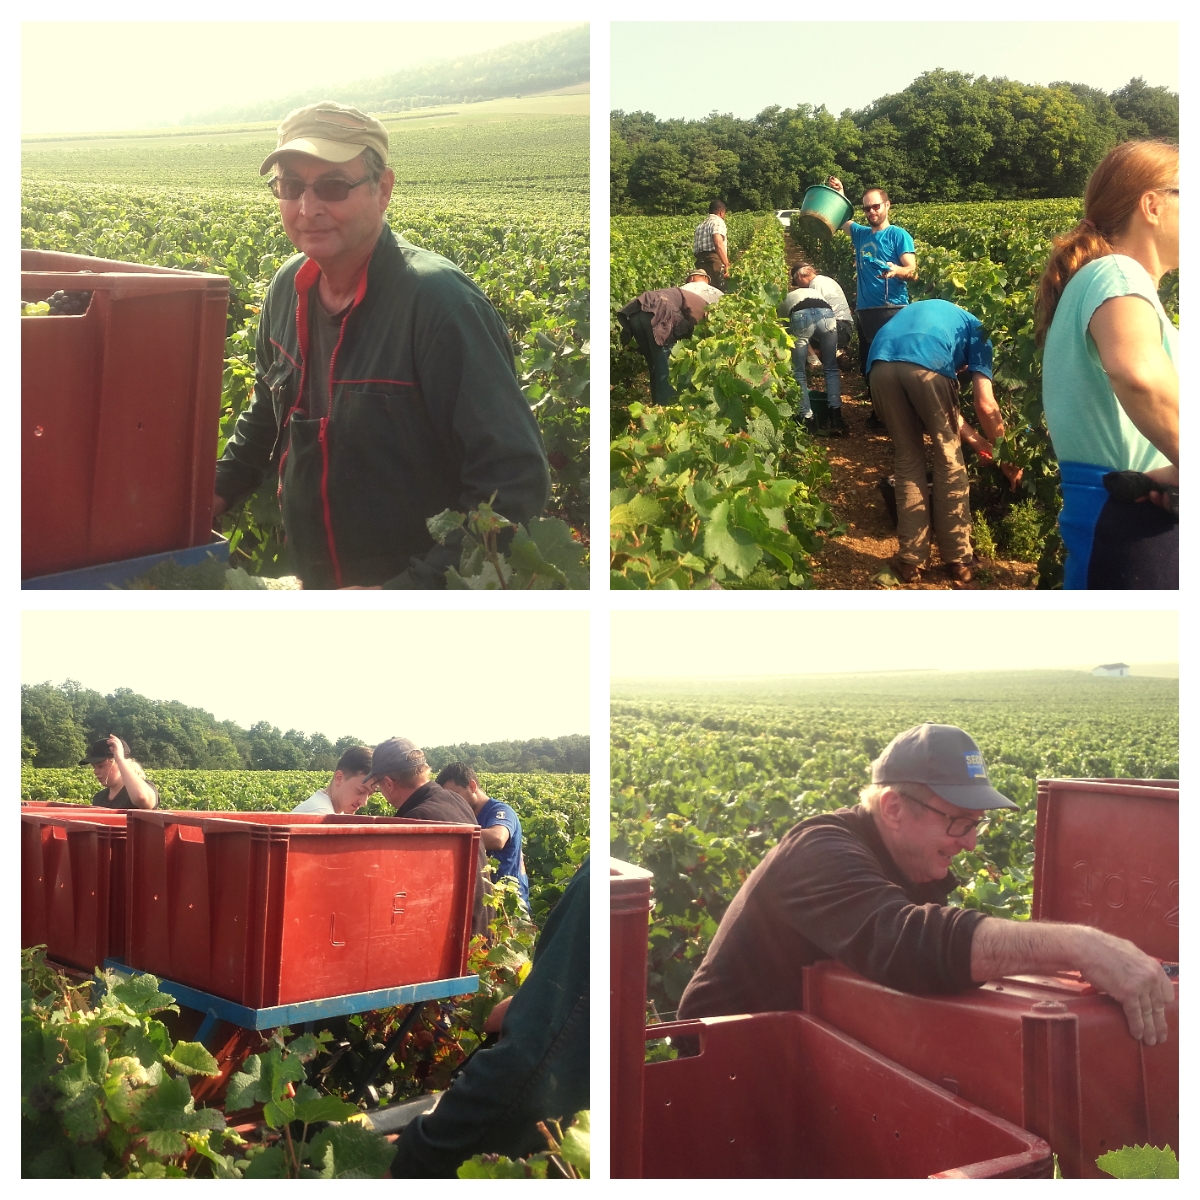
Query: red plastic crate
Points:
[1107, 855]
[629, 890]
[1047, 1053]
[119, 411]
[270, 908]
[784, 1095]
[73, 884]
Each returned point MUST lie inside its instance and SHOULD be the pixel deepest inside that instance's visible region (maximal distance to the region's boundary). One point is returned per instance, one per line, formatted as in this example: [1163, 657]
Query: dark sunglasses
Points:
[329, 190]
[871, 207]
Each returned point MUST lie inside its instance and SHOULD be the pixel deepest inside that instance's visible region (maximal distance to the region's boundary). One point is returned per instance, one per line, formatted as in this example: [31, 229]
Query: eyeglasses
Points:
[329, 190]
[956, 827]
[871, 207]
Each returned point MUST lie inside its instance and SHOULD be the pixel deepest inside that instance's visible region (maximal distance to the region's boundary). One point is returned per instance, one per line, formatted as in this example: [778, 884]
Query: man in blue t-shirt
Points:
[884, 259]
[501, 829]
[913, 368]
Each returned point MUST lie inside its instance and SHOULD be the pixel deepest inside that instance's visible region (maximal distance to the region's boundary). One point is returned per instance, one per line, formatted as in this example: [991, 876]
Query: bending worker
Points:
[868, 886]
[913, 368]
[657, 319]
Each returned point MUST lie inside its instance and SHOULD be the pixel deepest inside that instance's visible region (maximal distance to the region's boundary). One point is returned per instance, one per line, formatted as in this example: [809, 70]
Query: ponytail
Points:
[1113, 193]
[1072, 252]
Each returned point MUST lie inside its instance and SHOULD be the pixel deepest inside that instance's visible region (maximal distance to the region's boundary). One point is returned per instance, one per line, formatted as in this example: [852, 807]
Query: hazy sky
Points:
[437, 678]
[688, 69]
[706, 645]
[155, 72]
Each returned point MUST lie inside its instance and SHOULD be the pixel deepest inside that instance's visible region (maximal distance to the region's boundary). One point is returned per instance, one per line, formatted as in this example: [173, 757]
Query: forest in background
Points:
[948, 136]
[59, 721]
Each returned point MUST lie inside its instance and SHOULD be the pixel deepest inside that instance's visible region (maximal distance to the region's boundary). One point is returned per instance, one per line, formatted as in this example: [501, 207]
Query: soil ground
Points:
[857, 559]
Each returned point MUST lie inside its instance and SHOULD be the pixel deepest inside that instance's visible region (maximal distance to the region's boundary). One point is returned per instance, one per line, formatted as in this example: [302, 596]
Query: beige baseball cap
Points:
[330, 131]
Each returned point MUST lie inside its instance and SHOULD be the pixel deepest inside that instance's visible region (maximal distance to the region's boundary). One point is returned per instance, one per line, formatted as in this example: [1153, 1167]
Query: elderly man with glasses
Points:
[868, 886]
[385, 383]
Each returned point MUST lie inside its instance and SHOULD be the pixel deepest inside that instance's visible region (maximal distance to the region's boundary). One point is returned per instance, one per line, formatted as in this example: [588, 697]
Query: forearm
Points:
[1000, 947]
[722, 252]
[986, 408]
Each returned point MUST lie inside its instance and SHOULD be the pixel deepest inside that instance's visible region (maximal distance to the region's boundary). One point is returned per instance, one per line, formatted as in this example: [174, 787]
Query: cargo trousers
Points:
[914, 401]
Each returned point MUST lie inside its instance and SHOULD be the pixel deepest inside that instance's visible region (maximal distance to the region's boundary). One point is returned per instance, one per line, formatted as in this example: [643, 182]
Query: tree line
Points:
[948, 136]
[58, 722]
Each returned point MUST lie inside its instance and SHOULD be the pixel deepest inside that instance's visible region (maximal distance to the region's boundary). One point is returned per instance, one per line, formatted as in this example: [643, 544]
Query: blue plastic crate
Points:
[114, 574]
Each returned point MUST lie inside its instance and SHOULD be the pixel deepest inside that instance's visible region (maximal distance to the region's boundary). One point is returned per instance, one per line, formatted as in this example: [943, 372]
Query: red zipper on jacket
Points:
[330, 541]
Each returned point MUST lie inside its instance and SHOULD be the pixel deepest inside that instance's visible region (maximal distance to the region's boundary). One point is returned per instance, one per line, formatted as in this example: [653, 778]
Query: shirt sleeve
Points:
[979, 350]
[836, 894]
[468, 381]
[906, 243]
[505, 817]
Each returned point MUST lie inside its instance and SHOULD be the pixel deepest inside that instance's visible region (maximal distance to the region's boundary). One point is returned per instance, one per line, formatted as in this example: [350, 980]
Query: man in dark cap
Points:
[385, 383]
[400, 772]
[123, 784]
[868, 886]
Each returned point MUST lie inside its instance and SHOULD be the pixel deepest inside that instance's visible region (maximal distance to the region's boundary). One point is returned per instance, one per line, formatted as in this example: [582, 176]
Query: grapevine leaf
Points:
[1140, 1162]
[192, 1059]
[270, 1164]
[350, 1151]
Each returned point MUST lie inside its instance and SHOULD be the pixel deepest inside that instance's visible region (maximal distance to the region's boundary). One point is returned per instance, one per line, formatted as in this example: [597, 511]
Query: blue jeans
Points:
[818, 326]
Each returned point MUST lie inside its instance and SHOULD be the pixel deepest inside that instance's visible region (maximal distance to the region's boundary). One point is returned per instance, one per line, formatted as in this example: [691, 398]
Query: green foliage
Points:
[275, 1079]
[568, 1155]
[57, 723]
[542, 557]
[703, 787]
[97, 1096]
[200, 205]
[947, 136]
[720, 489]
[1140, 1162]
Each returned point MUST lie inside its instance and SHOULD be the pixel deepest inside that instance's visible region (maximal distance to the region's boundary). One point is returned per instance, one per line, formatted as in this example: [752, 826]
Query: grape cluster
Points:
[69, 304]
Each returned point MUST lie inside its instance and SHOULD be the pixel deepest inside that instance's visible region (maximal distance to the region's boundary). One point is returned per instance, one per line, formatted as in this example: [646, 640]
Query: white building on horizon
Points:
[1111, 669]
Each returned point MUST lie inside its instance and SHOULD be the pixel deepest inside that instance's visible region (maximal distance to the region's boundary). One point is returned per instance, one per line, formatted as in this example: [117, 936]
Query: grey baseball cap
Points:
[397, 755]
[944, 758]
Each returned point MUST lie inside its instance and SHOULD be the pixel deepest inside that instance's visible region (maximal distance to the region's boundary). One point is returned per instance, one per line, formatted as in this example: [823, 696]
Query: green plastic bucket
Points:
[824, 211]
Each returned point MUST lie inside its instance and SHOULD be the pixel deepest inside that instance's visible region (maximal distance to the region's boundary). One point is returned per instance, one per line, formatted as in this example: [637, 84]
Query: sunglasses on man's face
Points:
[285, 187]
[871, 207]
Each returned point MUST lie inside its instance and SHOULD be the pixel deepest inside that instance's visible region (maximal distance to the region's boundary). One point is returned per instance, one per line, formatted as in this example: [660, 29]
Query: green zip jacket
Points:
[425, 414]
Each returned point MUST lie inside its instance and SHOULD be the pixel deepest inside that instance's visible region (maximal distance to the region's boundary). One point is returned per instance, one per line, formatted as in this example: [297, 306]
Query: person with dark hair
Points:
[385, 387]
[501, 827]
[123, 782]
[913, 368]
[347, 791]
[869, 886]
[1110, 384]
[400, 772]
[710, 245]
[884, 260]
[537, 1071]
[658, 318]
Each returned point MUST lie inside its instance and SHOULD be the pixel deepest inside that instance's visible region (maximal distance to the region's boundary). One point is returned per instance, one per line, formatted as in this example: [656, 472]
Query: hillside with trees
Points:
[58, 723]
[948, 136]
[516, 69]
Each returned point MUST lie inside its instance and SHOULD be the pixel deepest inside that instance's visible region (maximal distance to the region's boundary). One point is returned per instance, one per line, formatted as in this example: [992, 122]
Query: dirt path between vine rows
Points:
[858, 463]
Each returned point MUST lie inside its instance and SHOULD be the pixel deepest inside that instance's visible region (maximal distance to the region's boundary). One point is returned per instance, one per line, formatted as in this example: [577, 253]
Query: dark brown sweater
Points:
[830, 889]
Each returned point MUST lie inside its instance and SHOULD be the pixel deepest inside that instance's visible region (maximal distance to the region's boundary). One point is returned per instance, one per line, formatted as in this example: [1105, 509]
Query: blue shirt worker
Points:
[501, 829]
[884, 260]
[913, 368]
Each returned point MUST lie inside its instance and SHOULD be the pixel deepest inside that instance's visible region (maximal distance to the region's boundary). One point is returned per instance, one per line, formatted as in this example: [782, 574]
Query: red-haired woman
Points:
[1110, 386]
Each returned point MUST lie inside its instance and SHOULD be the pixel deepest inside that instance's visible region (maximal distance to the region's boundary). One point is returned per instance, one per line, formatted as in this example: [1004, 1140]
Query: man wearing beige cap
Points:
[385, 385]
[400, 772]
[868, 886]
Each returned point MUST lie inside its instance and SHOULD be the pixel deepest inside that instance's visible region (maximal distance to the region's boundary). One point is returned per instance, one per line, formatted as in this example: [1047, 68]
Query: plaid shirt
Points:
[704, 241]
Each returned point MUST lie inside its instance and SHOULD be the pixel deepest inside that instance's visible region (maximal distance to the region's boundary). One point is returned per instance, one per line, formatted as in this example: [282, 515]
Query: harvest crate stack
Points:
[1047, 1056]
